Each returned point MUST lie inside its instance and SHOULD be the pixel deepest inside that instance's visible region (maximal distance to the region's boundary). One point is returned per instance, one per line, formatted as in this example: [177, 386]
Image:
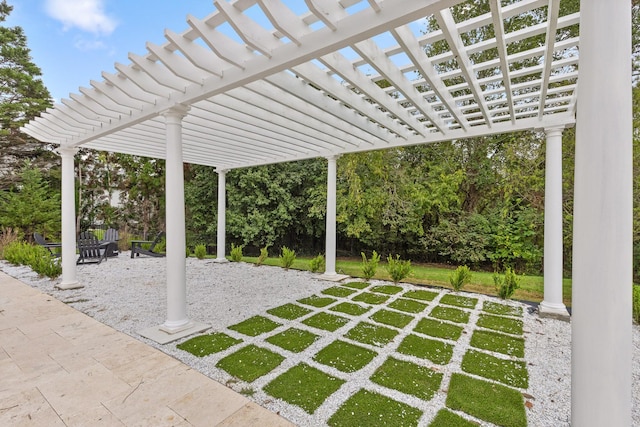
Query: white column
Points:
[222, 215]
[552, 305]
[330, 247]
[68, 207]
[176, 241]
[602, 232]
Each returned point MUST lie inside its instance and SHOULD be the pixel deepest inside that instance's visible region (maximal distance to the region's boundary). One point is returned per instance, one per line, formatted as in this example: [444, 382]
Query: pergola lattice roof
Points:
[345, 76]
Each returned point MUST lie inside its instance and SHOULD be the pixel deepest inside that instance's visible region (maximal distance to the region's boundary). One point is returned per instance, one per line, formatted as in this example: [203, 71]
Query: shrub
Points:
[636, 304]
[506, 285]
[369, 266]
[398, 269]
[317, 264]
[264, 254]
[37, 257]
[287, 257]
[236, 253]
[200, 251]
[459, 277]
[7, 236]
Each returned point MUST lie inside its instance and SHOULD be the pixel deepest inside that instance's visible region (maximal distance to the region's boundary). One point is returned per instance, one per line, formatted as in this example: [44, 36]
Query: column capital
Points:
[553, 130]
[66, 151]
[333, 157]
[177, 111]
[221, 171]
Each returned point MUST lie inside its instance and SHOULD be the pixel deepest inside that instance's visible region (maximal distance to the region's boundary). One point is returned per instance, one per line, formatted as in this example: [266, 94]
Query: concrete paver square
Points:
[252, 415]
[28, 408]
[199, 409]
[94, 417]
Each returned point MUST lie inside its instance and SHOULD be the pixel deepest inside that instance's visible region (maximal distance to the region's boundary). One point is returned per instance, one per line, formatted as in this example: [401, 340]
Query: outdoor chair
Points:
[90, 250]
[40, 240]
[110, 240]
[137, 249]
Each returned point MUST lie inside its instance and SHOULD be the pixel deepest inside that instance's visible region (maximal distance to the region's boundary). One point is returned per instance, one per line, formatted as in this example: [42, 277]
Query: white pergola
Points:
[255, 83]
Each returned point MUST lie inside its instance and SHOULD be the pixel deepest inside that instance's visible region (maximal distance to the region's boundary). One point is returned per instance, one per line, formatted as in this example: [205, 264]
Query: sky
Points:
[73, 41]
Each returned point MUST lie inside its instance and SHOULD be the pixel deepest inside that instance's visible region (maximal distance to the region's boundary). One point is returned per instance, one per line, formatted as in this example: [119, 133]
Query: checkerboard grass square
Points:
[326, 321]
[392, 318]
[501, 343]
[350, 308]
[356, 285]
[255, 326]
[367, 408]
[369, 298]
[289, 311]
[250, 362]
[459, 301]
[424, 348]
[420, 294]
[451, 314]
[387, 289]
[293, 339]
[501, 309]
[438, 329]
[500, 324]
[407, 305]
[371, 334]
[344, 356]
[509, 372]
[204, 345]
[316, 301]
[338, 291]
[408, 378]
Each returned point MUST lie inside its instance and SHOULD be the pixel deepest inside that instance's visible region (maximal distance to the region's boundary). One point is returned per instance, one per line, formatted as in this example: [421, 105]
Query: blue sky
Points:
[73, 41]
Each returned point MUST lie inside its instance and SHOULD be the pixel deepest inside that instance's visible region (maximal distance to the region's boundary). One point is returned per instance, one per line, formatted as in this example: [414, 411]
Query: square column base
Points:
[220, 260]
[558, 313]
[333, 277]
[70, 285]
[162, 335]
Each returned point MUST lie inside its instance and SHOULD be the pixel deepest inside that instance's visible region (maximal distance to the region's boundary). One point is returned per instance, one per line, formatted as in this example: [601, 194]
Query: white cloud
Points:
[86, 45]
[87, 15]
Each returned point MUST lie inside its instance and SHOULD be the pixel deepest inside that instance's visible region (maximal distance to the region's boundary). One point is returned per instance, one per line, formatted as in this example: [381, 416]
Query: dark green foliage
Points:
[500, 343]
[397, 268]
[289, 311]
[367, 408]
[371, 334]
[438, 329]
[509, 372]
[304, 386]
[293, 339]
[392, 318]
[250, 362]
[408, 377]
[408, 305]
[255, 326]
[344, 356]
[204, 345]
[424, 348]
[369, 266]
[317, 264]
[326, 321]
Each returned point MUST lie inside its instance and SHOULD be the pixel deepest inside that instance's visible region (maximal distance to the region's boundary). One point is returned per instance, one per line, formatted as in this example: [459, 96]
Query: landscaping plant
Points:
[7, 236]
[287, 256]
[398, 269]
[264, 254]
[459, 277]
[317, 264]
[236, 253]
[636, 304]
[369, 266]
[506, 285]
[36, 257]
[200, 251]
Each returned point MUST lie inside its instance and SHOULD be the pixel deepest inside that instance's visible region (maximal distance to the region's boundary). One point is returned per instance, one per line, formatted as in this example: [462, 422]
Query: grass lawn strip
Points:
[316, 301]
[369, 298]
[350, 308]
[500, 324]
[391, 318]
[408, 378]
[371, 334]
[304, 386]
[451, 314]
[445, 418]
[289, 311]
[439, 329]
[338, 291]
[344, 356]
[367, 408]
[488, 401]
[387, 289]
[509, 372]
[407, 305]
[250, 362]
[421, 294]
[356, 285]
[500, 343]
[424, 348]
[293, 339]
[501, 309]
[459, 301]
[326, 321]
[255, 326]
[204, 345]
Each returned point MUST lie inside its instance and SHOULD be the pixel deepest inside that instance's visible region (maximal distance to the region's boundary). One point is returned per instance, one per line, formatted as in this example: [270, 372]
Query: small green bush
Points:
[236, 253]
[7, 236]
[287, 256]
[459, 277]
[506, 285]
[264, 254]
[398, 269]
[636, 304]
[317, 264]
[369, 266]
[36, 257]
[200, 251]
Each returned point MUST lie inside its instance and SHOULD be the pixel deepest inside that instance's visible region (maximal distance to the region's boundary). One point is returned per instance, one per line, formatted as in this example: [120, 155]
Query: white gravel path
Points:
[129, 295]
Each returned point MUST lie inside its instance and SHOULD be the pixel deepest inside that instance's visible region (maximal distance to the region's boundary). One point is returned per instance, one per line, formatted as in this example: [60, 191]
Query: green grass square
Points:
[501, 309]
[438, 329]
[204, 345]
[344, 356]
[255, 326]
[488, 401]
[391, 318]
[421, 294]
[304, 386]
[408, 305]
[387, 289]
[356, 285]
[500, 343]
[459, 301]
[250, 362]
[509, 372]
[367, 408]
[424, 348]
[316, 301]
[371, 334]
[369, 298]
[350, 308]
[451, 314]
[500, 324]
[293, 339]
[408, 378]
[338, 291]
[326, 321]
[446, 418]
[289, 311]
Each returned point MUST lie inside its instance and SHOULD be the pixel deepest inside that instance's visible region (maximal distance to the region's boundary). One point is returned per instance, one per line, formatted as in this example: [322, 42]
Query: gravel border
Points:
[130, 295]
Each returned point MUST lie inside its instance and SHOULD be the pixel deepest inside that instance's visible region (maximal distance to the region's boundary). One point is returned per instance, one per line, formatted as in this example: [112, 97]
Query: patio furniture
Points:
[137, 249]
[90, 250]
[40, 240]
[110, 239]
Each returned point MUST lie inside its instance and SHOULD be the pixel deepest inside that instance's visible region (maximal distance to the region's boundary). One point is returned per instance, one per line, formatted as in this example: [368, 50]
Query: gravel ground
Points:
[130, 295]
